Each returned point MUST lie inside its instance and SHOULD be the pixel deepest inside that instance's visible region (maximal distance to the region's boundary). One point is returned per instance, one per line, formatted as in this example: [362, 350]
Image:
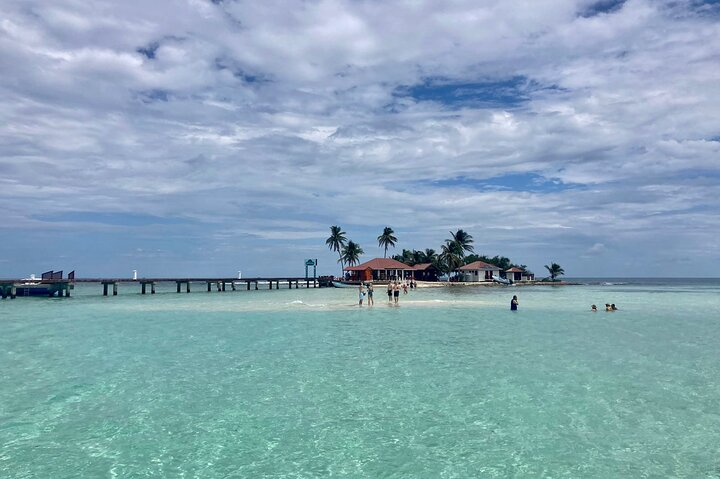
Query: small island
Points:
[456, 263]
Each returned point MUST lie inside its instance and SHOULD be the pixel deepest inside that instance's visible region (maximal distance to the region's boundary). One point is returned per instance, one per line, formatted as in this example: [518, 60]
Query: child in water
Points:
[514, 304]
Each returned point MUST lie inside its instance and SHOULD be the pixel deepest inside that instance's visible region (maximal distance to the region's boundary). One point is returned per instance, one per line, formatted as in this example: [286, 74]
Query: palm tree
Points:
[336, 242]
[501, 262]
[387, 239]
[406, 257]
[451, 257]
[351, 253]
[555, 270]
[429, 256]
[463, 240]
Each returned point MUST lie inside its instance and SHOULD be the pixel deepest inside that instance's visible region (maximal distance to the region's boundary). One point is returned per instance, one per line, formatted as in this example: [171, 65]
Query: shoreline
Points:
[489, 284]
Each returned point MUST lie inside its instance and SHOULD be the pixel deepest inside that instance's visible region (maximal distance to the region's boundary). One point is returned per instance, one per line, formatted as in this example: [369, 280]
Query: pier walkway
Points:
[50, 287]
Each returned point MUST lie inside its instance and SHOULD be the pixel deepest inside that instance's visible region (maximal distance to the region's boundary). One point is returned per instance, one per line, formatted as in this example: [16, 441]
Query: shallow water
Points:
[303, 383]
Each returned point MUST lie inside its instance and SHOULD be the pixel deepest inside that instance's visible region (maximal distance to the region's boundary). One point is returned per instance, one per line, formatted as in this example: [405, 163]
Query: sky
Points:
[203, 138]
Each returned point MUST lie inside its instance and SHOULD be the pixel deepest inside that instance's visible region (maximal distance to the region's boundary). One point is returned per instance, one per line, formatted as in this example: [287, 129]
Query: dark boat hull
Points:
[32, 290]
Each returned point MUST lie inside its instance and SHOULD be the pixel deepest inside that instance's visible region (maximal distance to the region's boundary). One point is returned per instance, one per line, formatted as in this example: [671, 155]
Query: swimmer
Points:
[593, 308]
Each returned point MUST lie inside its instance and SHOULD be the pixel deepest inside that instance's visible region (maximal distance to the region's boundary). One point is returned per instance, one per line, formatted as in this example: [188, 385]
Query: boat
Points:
[500, 280]
[32, 287]
[342, 284]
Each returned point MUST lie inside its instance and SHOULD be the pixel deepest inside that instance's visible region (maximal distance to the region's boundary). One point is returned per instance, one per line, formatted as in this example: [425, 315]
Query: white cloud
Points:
[249, 112]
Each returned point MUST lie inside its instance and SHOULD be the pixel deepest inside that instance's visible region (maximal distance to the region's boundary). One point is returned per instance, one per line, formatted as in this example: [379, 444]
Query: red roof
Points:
[475, 265]
[422, 266]
[515, 269]
[379, 264]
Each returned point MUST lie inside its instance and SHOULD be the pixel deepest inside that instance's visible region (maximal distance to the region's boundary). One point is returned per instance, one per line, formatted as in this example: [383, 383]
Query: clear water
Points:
[303, 383]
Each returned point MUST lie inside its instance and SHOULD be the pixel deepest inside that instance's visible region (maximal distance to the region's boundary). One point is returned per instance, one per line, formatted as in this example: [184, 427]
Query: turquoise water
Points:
[303, 383]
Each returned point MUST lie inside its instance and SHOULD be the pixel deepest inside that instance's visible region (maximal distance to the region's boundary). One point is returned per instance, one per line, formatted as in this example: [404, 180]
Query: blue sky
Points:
[194, 137]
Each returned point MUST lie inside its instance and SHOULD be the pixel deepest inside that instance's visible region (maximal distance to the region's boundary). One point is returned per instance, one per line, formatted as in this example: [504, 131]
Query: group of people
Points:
[608, 307]
[393, 291]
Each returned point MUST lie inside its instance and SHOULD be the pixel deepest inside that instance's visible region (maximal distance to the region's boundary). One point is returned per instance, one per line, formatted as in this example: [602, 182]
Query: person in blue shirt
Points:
[514, 304]
[361, 294]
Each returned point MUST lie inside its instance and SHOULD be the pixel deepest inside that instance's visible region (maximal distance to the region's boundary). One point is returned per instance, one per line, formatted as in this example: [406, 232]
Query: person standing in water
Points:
[371, 301]
[390, 291]
[361, 294]
[396, 292]
[514, 304]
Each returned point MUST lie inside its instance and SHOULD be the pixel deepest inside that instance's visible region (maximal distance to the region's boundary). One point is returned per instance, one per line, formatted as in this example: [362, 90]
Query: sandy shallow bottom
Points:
[304, 383]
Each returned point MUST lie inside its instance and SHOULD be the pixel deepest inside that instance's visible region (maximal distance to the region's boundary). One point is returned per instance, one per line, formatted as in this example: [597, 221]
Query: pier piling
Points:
[105, 285]
[143, 286]
[7, 289]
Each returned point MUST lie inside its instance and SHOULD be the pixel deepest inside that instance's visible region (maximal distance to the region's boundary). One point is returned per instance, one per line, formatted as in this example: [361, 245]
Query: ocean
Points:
[304, 383]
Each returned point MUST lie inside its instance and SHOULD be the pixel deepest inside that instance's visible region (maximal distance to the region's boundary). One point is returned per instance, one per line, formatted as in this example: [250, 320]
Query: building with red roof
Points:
[379, 269]
[519, 274]
[426, 272]
[479, 271]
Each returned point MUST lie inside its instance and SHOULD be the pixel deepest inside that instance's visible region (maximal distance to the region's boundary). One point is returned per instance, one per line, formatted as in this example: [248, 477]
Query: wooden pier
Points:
[12, 288]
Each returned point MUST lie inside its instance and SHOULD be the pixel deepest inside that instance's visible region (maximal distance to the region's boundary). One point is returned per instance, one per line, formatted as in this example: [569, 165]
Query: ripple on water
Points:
[288, 384]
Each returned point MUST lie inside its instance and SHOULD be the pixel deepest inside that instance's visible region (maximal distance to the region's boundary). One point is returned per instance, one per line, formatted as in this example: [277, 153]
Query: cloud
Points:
[596, 249]
[533, 128]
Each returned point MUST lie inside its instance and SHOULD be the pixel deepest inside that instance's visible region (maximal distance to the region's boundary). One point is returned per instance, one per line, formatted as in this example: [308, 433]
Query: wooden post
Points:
[232, 285]
[187, 287]
[307, 284]
[223, 286]
[248, 285]
[152, 288]
[178, 286]
[105, 288]
[256, 285]
[67, 290]
[209, 286]
[142, 288]
[114, 289]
